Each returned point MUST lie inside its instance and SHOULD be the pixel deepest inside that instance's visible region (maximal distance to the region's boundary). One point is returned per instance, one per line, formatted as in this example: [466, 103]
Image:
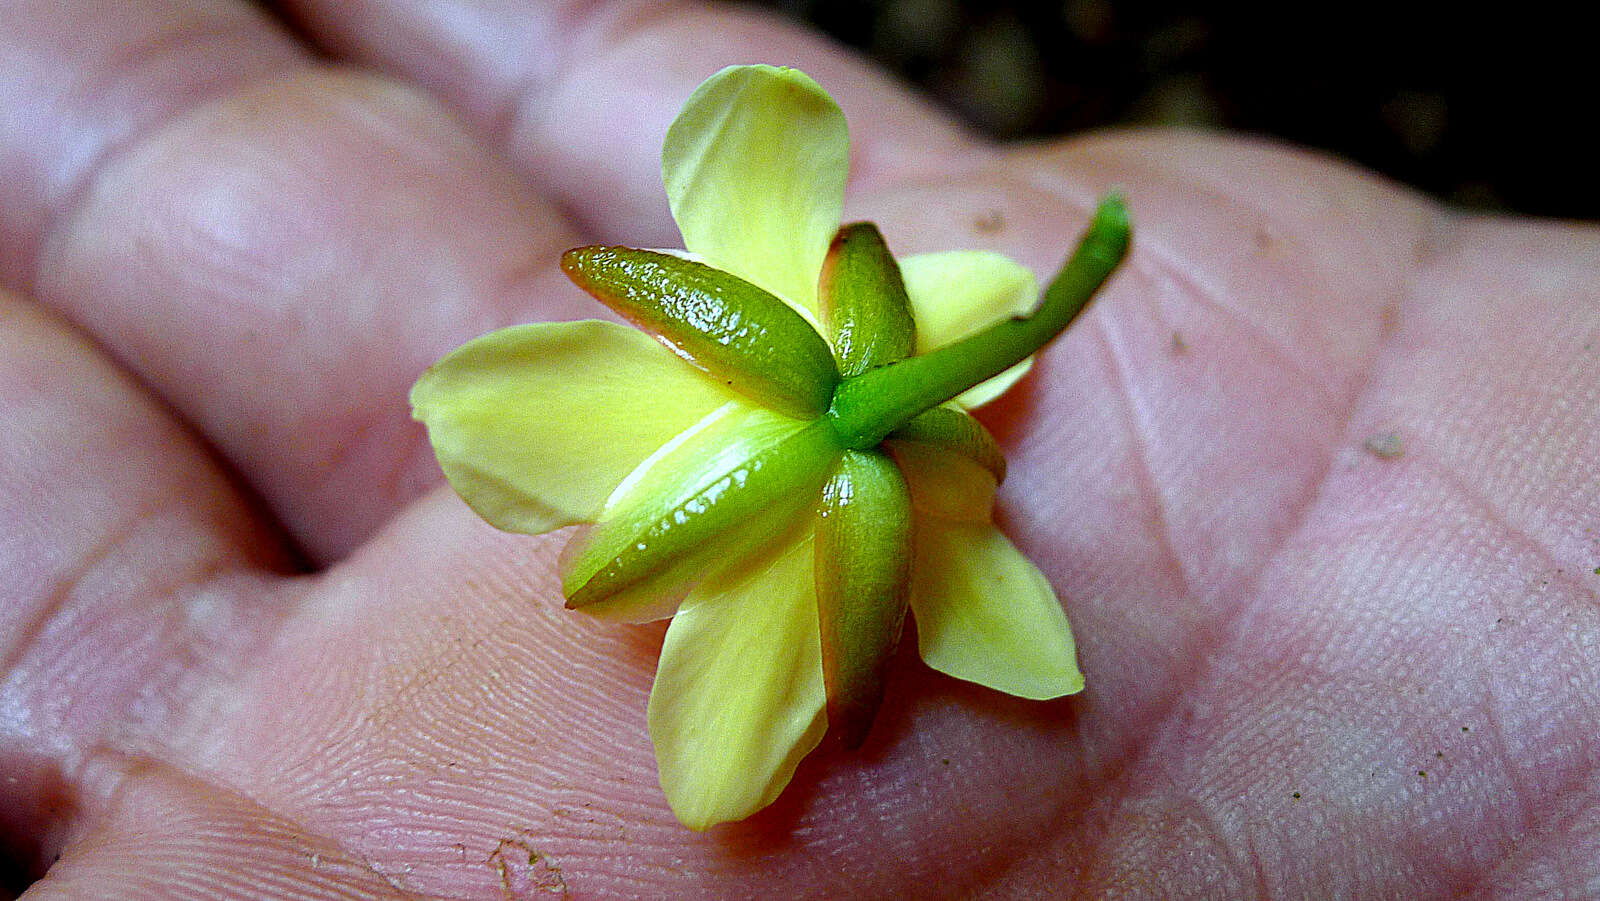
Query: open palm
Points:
[1316, 480]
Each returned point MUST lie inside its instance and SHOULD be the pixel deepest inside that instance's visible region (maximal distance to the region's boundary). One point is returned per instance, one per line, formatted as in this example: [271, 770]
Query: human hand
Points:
[1315, 480]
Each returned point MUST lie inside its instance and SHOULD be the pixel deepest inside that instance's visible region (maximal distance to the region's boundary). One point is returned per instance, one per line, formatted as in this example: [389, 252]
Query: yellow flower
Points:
[796, 470]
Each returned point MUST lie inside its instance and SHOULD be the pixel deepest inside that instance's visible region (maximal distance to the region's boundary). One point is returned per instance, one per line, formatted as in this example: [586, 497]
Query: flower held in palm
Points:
[798, 469]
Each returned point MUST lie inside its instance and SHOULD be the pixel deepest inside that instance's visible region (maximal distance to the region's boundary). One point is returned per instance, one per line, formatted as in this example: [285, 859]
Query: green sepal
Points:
[949, 429]
[862, 301]
[655, 532]
[734, 330]
[863, 572]
[871, 405]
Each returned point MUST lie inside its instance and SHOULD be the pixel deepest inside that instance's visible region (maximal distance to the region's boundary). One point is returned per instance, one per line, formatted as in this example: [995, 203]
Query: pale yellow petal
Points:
[739, 697]
[945, 484]
[986, 614]
[535, 425]
[959, 293]
[754, 167]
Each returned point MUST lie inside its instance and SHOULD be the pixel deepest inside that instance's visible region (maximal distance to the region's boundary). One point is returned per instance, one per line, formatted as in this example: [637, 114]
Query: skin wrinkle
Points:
[1113, 783]
[1226, 632]
[1565, 572]
[63, 588]
[215, 681]
[1208, 297]
[598, 31]
[1560, 572]
[1239, 851]
[1520, 795]
[191, 649]
[1100, 832]
[476, 812]
[117, 552]
[132, 770]
[124, 58]
[1314, 493]
[589, 29]
[348, 102]
[412, 472]
[1162, 711]
[1235, 636]
[1122, 764]
[1562, 823]
[1429, 249]
[1341, 412]
[70, 200]
[202, 572]
[1120, 367]
[1527, 821]
[1186, 276]
[418, 457]
[1176, 807]
[1139, 440]
[1257, 869]
[166, 685]
[1308, 165]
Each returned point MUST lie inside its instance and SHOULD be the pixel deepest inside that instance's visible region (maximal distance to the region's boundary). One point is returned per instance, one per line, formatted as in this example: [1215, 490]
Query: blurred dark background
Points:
[1488, 110]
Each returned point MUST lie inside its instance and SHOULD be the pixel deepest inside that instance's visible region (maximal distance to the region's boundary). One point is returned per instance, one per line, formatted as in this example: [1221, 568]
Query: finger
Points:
[164, 835]
[82, 80]
[281, 259]
[121, 536]
[579, 95]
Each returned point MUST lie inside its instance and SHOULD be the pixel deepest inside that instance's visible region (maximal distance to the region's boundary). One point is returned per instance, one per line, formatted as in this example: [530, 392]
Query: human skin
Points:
[1316, 479]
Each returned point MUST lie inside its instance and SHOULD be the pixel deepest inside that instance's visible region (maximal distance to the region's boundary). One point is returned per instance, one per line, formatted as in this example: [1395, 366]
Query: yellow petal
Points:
[944, 483]
[948, 428]
[535, 425]
[739, 698]
[754, 167]
[986, 614]
[959, 293]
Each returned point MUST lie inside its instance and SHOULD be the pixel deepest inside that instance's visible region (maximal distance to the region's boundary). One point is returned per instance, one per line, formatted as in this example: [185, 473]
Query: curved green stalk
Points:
[868, 407]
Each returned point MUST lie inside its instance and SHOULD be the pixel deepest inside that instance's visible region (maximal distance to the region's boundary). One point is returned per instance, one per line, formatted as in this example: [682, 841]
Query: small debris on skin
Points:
[990, 222]
[1385, 445]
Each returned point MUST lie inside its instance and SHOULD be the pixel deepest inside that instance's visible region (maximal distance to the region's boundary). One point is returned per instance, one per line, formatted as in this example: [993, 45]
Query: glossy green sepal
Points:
[863, 570]
[732, 329]
[655, 528]
[862, 297]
